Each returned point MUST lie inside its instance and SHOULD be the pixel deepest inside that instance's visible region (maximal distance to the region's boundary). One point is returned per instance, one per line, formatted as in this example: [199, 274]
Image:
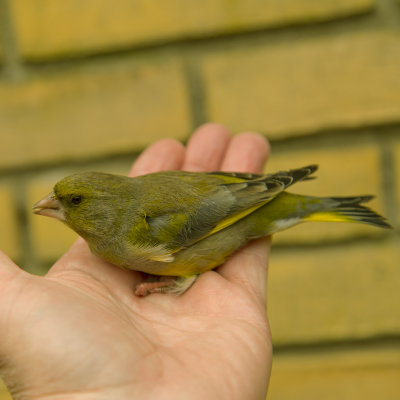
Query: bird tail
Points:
[349, 209]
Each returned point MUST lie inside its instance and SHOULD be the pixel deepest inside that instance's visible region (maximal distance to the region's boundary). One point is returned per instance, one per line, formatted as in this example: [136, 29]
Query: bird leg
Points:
[165, 284]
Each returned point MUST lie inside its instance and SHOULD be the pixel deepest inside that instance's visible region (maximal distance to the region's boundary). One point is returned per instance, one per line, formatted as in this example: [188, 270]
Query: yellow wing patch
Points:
[232, 219]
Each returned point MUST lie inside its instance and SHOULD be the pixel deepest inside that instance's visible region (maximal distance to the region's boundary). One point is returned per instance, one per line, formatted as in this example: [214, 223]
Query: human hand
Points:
[80, 333]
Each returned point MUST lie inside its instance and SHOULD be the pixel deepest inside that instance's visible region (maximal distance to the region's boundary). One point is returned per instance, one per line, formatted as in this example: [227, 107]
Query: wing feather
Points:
[226, 203]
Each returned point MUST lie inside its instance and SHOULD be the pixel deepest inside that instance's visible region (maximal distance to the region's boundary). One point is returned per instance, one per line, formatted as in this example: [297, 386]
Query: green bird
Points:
[181, 224]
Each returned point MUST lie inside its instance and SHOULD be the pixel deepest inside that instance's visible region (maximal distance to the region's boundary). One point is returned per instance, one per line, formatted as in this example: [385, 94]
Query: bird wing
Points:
[228, 202]
[258, 190]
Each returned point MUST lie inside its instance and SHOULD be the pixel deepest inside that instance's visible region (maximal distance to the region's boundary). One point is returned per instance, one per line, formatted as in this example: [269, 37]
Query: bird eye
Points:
[76, 200]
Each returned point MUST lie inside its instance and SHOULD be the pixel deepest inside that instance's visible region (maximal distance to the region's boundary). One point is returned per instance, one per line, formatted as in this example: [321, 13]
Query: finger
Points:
[206, 148]
[247, 152]
[249, 267]
[166, 154]
[79, 262]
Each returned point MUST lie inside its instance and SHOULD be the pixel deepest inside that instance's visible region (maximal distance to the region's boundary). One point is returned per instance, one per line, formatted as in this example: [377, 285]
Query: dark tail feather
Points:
[353, 200]
[349, 209]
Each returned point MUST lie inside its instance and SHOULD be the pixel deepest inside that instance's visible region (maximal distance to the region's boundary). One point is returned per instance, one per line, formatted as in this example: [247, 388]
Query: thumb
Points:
[10, 275]
[9, 281]
[8, 272]
[8, 269]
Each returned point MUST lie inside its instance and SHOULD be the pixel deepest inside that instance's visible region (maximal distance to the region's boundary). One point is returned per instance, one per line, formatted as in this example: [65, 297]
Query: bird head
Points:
[87, 202]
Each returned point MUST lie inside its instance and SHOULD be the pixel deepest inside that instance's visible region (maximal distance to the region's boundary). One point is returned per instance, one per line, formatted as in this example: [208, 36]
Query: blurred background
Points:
[86, 85]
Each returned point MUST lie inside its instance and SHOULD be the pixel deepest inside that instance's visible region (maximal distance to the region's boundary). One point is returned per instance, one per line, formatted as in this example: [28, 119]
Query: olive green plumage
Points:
[183, 223]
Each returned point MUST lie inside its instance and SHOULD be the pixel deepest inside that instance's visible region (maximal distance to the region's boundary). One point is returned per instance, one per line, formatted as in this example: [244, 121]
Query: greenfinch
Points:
[181, 224]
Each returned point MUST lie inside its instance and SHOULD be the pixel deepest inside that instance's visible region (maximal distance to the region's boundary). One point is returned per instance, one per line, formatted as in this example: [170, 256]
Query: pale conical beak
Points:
[50, 207]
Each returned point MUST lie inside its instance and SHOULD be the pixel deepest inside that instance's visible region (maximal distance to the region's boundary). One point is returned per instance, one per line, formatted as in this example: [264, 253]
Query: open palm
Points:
[79, 332]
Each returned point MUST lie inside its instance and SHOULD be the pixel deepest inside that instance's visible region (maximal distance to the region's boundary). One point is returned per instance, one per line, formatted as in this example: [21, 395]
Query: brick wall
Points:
[87, 85]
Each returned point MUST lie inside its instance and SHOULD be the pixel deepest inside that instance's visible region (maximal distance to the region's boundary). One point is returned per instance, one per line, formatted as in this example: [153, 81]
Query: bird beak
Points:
[49, 206]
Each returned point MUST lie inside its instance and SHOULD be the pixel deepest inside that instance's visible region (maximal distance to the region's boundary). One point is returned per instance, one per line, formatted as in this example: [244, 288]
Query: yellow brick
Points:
[325, 82]
[335, 293]
[8, 224]
[347, 373]
[343, 171]
[44, 26]
[92, 111]
[397, 178]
